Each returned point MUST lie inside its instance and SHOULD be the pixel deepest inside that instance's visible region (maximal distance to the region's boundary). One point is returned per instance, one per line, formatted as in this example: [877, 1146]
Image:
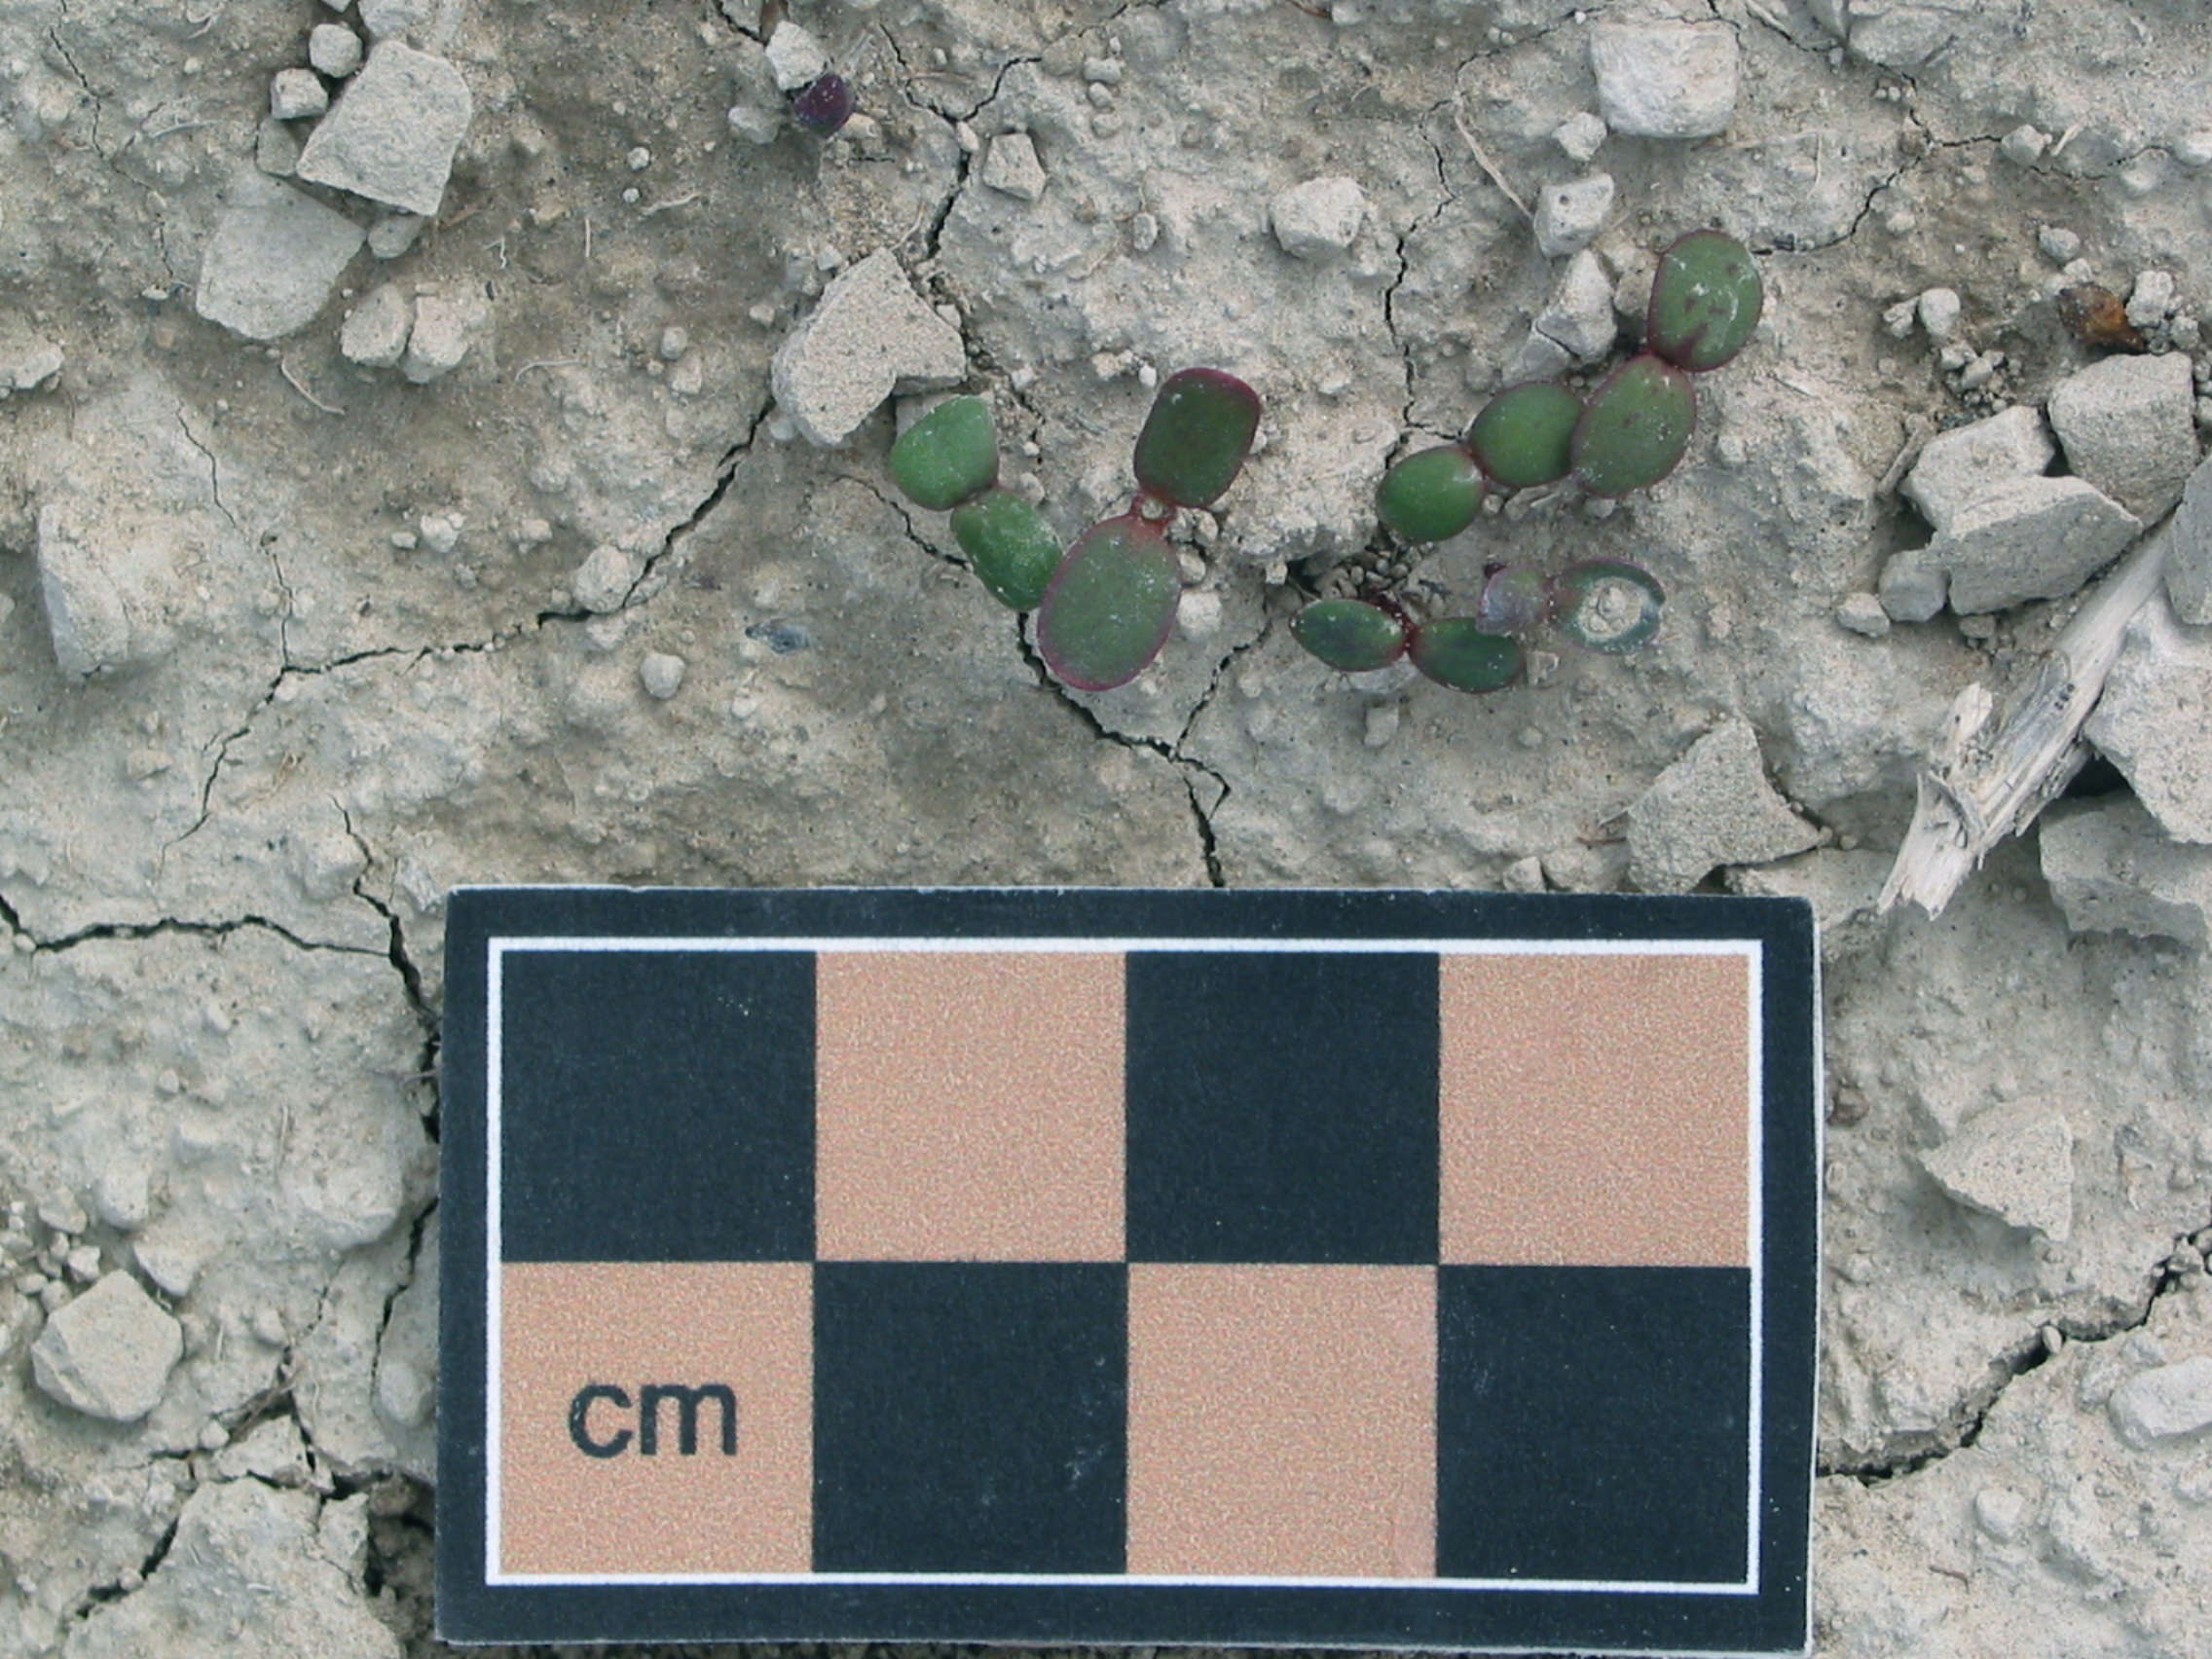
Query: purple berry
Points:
[823, 105]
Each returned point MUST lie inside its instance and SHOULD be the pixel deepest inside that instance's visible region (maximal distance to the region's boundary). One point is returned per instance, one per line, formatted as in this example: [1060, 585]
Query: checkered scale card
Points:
[1397, 1270]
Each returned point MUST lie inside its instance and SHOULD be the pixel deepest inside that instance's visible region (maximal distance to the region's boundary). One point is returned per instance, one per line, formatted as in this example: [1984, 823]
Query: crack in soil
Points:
[1909, 1453]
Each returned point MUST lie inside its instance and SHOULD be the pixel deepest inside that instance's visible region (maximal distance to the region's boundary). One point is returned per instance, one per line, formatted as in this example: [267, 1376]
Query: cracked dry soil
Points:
[222, 857]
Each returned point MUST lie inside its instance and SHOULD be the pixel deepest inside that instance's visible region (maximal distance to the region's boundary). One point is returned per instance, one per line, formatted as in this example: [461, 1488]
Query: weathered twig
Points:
[1990, 772]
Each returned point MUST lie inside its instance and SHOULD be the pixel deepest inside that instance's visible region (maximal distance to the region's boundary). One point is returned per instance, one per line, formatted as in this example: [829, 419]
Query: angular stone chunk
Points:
[375, 331]
[2128, 426]
[2113, 869]
[1580, 314]
[274, 259]
[2014, 1161]
[1012, 168]
[1956, 466]
[393, 133]
[2155, 720]
[1318, 218]
[869, 336]
[1712, 807]
[2029, 539]
[2189, 550]
[1665, 80]
[108, 1353]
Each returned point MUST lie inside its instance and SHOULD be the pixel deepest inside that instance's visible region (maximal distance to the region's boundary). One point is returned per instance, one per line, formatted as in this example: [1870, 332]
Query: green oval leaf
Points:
[1012, 550]
[1607, 604]
[1108, 606]
[947, 456]
[1459, 652]
[1513, 602]
[1195, 439]
[1520, 437]
[1349, 634]
[1705, 299]
[1430, 495]
[1636, 427]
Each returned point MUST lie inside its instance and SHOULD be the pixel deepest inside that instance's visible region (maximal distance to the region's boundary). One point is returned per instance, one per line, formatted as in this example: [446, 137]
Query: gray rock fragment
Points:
[1570, 215]
[110, 597]
[333, 49]
[1010, 167]
[1580, 314]
[756, 125]
[375, 331]
[297, 95]
[1580, 136]
[2129, 427]
[108, 1353]
[2163, 1402]
[868, 337]
[1938, 313]
[1665, 80]
[794, 56]
[661, 674]
[1712, 807]
[606, 577]
[2113, 869]
[1318, 218]
[393, 133]
[274, 259]
[1956, 466]
[387, 19]
[446, 326]
[2029, 539]
[2014, 1161]
[2155, 720]
[276, 148]
[1912, 587]
[393, 234]
[2189, 550]
[1863, 613]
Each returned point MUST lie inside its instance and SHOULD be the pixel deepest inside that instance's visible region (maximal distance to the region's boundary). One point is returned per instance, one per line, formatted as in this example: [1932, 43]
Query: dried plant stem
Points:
[1991, 771]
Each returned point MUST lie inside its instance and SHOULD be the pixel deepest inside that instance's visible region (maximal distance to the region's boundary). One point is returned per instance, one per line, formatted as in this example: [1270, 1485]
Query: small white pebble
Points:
[661, 674]
[1898, 320]
[639, 159]
[405, 540]
[2023, 144]
[84, 1263]
[673, 343]
[1104, 71]
[1580, 136]
[2195, 149]
[1939, 312]
[440, 531]
[2058, 243]
[2152, 299]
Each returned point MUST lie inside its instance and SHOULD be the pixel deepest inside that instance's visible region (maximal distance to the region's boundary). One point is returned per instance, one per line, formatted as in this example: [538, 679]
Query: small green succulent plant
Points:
[1107, 604]
[1630, 431]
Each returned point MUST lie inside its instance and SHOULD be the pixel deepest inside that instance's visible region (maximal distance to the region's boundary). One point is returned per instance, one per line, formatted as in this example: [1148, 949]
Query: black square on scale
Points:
[970, 1416]
[1282, 1106]
[656, 1106]
[1594, 1424]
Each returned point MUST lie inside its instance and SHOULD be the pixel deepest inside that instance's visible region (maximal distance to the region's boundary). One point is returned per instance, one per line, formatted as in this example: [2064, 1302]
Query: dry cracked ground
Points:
[306, 618]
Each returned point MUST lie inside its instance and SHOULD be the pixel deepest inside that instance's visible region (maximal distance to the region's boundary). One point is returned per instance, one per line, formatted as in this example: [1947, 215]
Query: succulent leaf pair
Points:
[1603, 604]
[1630, 432]
[1105, 606]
